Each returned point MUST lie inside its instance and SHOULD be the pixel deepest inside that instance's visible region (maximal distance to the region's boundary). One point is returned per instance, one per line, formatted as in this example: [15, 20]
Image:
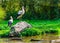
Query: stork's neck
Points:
[11, 19]
[22, 9]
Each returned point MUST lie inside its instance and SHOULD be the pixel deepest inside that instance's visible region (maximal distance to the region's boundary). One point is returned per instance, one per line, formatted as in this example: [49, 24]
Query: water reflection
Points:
[43, 39]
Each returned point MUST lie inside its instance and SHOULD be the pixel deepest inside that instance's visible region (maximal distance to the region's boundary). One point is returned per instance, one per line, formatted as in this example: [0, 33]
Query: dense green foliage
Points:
[39, 27]
[35, 12]
[4, 31]
[2, 13]
[34, 9]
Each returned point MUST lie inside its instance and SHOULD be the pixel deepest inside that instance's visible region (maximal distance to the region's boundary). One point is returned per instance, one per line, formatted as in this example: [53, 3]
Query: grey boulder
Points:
[18, 27]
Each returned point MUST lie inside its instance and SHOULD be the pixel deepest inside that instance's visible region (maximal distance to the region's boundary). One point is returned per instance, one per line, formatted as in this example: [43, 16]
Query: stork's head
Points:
[11, 17]
[22, 7]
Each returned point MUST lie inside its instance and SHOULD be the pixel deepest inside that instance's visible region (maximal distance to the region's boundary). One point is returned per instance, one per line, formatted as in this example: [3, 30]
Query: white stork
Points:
[21, 12]
[10, 21]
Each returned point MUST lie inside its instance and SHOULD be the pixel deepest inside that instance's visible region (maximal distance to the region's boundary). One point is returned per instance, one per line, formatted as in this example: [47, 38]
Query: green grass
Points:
[38, 27]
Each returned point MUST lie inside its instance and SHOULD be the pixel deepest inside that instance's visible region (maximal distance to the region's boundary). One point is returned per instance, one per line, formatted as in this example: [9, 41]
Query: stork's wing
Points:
[23, 11]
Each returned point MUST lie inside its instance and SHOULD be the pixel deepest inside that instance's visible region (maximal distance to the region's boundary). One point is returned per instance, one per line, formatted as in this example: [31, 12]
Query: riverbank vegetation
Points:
[39, 27]
[43, 15]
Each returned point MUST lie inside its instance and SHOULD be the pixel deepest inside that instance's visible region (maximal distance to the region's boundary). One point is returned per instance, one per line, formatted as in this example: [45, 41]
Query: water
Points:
[36, 39]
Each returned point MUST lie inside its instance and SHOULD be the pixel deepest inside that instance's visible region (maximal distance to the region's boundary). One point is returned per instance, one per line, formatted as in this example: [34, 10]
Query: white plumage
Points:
[21, 12]
[10, 21]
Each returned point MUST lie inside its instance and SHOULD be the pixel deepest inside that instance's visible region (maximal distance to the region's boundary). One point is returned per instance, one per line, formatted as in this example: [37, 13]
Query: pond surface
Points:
[36, 39]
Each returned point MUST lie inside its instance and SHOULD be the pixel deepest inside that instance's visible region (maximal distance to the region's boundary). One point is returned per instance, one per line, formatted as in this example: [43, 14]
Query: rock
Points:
[16, 38]
[36, 40]
[18, 27]
[58, 40]
[55, 41]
